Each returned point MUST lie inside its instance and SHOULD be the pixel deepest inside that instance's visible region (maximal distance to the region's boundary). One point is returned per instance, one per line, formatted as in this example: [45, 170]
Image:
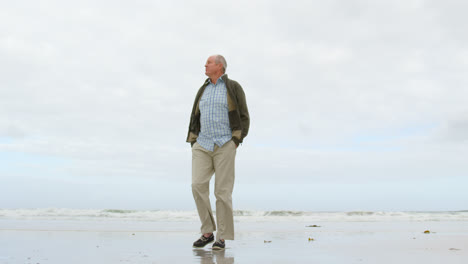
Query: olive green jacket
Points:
[238, 113]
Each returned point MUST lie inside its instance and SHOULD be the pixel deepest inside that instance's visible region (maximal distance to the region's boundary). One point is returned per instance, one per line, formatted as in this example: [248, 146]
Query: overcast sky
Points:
[355, 105]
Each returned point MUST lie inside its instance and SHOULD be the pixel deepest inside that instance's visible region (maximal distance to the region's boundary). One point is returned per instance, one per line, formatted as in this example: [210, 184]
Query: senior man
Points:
[218, 124]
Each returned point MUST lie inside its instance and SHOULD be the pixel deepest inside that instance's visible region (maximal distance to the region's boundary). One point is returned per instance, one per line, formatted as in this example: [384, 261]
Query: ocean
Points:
[239, 215]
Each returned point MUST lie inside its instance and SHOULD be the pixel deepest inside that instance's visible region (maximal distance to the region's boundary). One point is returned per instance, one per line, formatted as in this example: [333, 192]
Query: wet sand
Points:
[71, 241]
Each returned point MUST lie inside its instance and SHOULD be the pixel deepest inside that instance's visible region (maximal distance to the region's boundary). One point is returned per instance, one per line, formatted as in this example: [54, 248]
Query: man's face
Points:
[211, 68]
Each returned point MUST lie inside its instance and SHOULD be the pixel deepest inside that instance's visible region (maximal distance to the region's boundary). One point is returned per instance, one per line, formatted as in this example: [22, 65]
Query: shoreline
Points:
[79, 241]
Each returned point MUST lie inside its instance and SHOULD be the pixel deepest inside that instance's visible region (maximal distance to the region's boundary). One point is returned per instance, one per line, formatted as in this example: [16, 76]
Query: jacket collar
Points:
[224, 77]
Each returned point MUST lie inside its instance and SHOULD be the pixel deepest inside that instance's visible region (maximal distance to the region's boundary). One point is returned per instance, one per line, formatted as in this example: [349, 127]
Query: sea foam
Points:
[239, 215]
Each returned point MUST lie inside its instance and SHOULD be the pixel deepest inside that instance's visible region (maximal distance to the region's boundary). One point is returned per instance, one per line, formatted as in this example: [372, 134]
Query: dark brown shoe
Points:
[219, 244]
[203, 241]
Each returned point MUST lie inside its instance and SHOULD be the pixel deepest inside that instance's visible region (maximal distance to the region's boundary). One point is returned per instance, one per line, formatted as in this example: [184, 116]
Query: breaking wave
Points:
[240, 215]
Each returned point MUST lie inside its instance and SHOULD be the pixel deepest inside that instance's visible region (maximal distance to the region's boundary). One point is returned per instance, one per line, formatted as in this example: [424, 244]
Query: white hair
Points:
[220, 59]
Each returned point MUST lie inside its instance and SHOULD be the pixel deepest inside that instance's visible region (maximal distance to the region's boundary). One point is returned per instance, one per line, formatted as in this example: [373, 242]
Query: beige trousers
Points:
[221, 163]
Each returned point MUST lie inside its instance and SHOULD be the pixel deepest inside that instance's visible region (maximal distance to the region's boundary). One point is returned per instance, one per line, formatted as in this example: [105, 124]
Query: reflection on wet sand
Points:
[208, 256]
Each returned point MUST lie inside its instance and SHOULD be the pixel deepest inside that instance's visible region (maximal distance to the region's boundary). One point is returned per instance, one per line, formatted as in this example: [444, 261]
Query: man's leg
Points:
[224, 163]
[202, 171]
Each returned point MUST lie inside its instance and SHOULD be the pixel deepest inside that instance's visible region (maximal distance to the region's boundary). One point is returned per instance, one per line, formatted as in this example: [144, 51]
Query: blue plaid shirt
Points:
[214, 118]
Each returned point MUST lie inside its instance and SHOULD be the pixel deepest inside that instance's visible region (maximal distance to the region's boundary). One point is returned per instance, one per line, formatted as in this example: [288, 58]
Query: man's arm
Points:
[243, 111]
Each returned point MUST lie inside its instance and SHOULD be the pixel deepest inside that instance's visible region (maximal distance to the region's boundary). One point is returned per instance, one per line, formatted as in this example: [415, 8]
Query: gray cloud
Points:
[337, 90]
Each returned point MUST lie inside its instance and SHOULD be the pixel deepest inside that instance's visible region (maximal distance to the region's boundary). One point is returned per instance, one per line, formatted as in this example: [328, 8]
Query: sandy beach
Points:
[122, 241]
